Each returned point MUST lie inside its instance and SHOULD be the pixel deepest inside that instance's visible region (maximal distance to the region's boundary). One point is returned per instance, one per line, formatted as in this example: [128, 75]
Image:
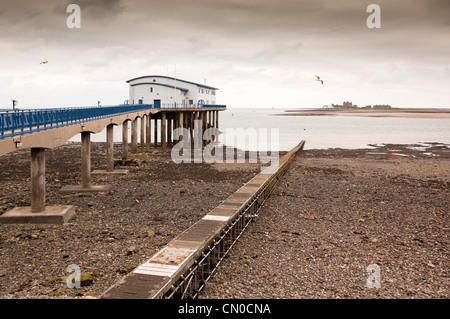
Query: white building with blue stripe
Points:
[170, 92]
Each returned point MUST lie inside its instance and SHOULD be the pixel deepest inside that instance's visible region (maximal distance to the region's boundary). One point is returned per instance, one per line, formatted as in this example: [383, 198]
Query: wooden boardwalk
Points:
[181, 269]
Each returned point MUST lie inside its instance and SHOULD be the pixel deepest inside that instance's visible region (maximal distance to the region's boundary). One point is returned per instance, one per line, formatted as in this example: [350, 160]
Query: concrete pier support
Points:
[110, 148]
[37, 180]
[217, 119]
[38, 213]
[204, 128]
[191, 127]
[85, 159]
[169, 132]
[142, 141]
[213, 123]
[125, 140]
[163, 130]
[180, 124]
[110, 154]
[155, 132]
[134, 136]
[148, 132]
[85, 170]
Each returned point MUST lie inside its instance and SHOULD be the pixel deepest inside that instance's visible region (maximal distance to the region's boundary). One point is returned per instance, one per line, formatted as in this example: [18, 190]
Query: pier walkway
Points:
[42, 129]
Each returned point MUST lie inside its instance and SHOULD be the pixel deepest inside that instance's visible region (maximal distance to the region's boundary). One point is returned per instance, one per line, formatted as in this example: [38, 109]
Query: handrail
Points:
[18, 122]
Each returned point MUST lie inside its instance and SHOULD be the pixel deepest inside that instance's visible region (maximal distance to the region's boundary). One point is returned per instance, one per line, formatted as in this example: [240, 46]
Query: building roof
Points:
[161, 84]
[171, 78]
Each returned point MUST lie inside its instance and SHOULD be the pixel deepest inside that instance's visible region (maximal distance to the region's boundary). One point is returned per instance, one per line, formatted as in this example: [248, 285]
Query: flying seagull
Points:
[44, 62]
[318, 79]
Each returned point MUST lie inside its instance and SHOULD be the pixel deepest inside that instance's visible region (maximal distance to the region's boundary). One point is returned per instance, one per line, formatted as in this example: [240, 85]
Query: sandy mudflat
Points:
[398, 113]
[337, 212]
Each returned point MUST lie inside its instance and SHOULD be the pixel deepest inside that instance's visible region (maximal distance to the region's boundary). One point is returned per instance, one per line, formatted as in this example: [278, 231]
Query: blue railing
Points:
[189, 106]
[18, 122]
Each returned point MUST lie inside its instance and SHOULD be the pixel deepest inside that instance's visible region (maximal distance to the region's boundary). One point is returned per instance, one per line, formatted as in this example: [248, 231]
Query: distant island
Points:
[378, 110]
[350, 105]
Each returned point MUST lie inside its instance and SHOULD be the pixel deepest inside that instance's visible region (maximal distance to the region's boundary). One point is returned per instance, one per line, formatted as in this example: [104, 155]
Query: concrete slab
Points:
[51, 215]
[90, 189]
[114, 172]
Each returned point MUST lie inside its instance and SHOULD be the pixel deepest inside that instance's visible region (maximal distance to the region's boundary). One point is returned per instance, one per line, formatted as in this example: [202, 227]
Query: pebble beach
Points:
[334, 213]
[335, 216]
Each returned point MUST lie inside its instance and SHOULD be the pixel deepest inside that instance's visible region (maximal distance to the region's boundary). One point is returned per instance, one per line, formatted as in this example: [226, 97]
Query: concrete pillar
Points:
[204, 127]
[169, 132]
[110, 148]
[217, 119]
[125, 140]
[85, 159]
[37, 180]
[189, 125]
[180, 123]
[110, 153]
[148, 138]
[213, 122]
[198, 131]
[209, 119]
[163, 130]
[155, 131]
[143, 120]
[134, 136]
[38, 213]
[85, 170]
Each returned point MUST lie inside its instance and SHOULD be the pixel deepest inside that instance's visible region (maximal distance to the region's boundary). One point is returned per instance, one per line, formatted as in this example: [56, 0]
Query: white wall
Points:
[166, 94]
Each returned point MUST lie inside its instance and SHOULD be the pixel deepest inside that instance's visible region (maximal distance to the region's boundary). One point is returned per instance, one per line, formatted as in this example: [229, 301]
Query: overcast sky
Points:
[259, 53]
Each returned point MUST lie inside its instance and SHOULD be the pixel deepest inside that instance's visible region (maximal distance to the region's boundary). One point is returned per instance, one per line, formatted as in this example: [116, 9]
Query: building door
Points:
[157, 104]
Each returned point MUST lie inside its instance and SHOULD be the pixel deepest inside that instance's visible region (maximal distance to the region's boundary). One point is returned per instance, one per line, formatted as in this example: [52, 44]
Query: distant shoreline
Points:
[395, 112]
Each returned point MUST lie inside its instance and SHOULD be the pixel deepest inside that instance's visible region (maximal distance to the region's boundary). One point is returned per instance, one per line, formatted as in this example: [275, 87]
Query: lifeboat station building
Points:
[167, 92]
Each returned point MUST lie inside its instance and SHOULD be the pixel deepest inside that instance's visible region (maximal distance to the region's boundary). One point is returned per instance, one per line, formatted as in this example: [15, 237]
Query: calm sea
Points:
[321, 132]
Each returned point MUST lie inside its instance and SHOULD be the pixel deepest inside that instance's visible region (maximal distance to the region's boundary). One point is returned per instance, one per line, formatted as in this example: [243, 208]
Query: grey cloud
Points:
[97, 9]
[279, 50]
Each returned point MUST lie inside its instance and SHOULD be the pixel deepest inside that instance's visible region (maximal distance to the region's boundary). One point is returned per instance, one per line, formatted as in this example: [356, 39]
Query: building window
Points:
[191, 102]
[151, 90]
[140, 101]
[154, 80]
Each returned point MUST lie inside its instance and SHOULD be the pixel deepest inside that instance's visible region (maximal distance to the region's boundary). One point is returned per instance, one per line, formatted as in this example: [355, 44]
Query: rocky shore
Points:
[335, 213]
[337, 217]
[112, 233]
